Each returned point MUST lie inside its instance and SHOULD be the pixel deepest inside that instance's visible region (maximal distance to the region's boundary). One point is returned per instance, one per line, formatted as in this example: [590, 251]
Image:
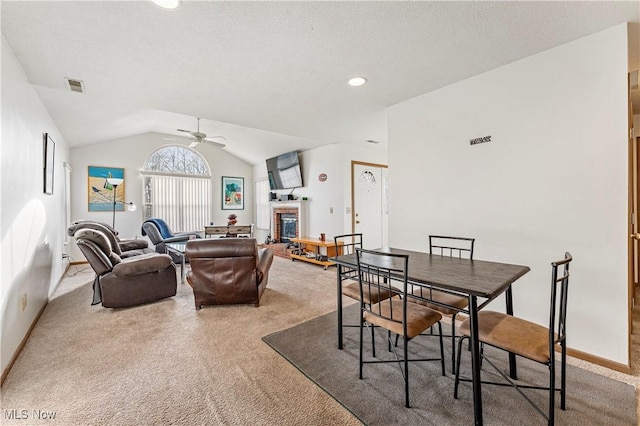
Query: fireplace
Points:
[286, 224]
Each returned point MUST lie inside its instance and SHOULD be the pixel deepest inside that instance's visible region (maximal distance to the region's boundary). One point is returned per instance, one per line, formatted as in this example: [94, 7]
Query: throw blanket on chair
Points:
[161, 225]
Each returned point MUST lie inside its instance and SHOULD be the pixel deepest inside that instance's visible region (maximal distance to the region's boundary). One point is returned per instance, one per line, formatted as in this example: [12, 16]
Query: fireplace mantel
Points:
[289, 205]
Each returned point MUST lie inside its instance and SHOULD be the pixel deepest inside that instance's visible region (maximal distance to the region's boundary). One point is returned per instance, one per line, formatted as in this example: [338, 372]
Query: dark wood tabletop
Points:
[472, 277]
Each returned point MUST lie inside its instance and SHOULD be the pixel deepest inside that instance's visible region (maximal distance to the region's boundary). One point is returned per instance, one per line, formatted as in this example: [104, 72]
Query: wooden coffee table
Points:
[313, 246]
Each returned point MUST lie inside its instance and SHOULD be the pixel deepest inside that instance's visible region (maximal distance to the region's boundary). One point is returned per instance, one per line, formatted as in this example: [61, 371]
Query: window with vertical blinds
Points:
[177, 188]
[263, 221]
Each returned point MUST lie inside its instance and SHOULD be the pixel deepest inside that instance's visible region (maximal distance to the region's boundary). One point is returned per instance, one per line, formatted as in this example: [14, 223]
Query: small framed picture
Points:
[232, 193]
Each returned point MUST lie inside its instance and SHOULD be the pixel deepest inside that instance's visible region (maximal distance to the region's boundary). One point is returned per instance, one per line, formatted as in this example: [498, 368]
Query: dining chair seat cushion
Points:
[352, 290]
[445, 298]
[512, 334]
[419, 318]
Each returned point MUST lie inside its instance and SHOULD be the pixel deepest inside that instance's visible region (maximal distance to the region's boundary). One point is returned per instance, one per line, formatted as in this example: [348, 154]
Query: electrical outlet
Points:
[23, 301]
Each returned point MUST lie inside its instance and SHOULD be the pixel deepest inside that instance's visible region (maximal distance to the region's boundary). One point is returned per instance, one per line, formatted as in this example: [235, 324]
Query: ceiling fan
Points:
[198, 137]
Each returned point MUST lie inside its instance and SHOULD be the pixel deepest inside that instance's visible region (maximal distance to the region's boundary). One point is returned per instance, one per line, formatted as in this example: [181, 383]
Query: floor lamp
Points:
[130, 206]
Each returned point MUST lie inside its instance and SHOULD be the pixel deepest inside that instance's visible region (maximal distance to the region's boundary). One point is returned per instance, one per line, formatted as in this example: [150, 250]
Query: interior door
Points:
[369, 194]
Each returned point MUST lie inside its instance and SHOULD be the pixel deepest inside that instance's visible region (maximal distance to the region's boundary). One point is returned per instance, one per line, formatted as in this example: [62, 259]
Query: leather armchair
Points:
[227, 271]
[123, 248]
[125, 282]
[160, 234]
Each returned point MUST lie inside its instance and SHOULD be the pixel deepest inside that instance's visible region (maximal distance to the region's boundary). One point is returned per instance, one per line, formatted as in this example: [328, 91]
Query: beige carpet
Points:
[166, 363]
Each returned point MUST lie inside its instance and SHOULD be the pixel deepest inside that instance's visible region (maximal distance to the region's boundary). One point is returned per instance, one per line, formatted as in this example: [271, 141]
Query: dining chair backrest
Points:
[347, 243]
[383, 272]
[558, 303]
[461, 247]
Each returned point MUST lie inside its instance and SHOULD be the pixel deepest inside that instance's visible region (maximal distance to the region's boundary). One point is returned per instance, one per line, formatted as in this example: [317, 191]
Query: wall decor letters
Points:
[480, 140]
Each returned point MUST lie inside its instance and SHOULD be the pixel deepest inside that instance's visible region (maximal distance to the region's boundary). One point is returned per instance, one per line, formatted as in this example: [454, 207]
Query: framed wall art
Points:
[100, 192]
[232, 193]
[49, 150]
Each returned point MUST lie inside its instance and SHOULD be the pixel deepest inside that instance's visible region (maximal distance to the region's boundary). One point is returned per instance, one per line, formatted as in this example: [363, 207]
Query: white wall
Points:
[31, 223]
[131, 153]
[634, 46]
[553, 178]
[334, 161]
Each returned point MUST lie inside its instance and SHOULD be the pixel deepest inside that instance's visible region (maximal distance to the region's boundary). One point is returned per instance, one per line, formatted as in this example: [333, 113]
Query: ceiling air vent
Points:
[75, 85]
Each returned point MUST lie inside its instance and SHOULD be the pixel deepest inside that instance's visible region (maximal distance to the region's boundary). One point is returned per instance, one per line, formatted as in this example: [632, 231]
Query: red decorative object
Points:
[232, 219]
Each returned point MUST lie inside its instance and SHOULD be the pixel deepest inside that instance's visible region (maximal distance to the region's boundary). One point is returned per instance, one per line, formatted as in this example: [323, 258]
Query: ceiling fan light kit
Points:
[167, 4]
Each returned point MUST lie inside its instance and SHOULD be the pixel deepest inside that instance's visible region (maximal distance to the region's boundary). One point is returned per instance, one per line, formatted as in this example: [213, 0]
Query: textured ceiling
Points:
[271, 76]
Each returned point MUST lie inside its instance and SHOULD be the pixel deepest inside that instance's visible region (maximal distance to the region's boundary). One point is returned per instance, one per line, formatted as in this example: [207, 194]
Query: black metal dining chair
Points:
[347, 244]
[378, 272]
[529, 340]
[447, 303]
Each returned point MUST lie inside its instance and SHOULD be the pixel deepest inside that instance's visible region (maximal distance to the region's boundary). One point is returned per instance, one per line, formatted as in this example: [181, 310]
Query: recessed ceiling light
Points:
[357, 81]
[168, 4]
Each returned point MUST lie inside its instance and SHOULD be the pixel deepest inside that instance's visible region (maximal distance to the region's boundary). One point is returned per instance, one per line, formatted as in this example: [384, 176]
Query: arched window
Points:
[177, 188]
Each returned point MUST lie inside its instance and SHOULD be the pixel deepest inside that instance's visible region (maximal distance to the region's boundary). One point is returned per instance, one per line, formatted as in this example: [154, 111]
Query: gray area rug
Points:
[378, 399]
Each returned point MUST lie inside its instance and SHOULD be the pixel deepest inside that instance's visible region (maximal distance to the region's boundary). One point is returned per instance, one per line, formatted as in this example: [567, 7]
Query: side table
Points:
[179, 250]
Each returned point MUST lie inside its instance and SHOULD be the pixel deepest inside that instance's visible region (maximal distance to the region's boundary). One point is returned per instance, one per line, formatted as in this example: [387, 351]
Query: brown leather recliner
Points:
[227, 271]
[125, 282]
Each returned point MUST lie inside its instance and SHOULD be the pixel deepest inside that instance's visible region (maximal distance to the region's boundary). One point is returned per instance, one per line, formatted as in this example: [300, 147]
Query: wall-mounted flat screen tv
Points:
[284, 171]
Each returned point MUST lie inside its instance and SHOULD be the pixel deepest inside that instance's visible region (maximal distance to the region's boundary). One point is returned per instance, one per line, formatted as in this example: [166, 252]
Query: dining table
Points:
[480, 281]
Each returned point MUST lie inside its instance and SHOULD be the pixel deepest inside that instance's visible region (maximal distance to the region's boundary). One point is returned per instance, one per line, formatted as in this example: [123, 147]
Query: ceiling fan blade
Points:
[218, 144]
[177, 139]
[215, 137]
[182, 130]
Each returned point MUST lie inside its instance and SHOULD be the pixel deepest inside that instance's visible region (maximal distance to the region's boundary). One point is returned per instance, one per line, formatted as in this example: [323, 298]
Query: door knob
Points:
[635, 236]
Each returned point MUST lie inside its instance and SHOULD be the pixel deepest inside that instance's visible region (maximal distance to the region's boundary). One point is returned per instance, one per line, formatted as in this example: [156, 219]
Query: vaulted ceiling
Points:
[271, 76]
